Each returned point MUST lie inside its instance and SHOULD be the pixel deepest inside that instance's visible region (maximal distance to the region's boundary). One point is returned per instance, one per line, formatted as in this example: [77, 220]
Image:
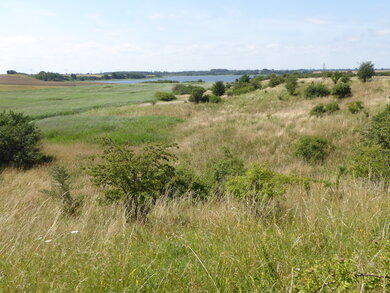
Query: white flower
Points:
[48, 240]
[74, 232]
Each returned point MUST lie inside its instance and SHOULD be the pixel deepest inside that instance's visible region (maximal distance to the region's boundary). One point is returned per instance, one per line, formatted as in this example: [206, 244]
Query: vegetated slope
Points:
[24, 80]
[219, 245]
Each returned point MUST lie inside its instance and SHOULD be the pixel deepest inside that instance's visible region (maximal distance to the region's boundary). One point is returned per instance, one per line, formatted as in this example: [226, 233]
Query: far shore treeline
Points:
[301, 73]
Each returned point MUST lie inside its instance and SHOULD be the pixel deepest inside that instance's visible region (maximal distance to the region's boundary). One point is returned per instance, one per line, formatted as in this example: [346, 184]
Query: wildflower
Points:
[74, 232]
[48, 240]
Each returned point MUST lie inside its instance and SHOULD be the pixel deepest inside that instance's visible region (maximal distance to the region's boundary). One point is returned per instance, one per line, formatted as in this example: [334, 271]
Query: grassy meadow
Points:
[187, 246]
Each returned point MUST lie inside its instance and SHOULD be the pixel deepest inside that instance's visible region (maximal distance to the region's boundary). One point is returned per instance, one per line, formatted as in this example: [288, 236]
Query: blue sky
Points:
[94, 36]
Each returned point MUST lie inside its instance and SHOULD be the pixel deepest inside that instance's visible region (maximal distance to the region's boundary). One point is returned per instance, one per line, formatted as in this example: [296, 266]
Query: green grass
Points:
[51, 102]
[133, 130]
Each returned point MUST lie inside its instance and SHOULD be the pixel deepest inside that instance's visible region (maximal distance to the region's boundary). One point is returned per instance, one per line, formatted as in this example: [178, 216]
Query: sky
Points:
[88, 36]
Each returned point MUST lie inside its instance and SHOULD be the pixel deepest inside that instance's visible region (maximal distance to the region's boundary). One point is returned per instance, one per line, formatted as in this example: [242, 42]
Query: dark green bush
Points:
[256, 82]
[291, 84]
[372, 158]
[355, 107]
[318, 110]
[312, 149]
[315, 90]
[218, 88]
[164, 96]
[182, 89]
[336, 76]
[215, 99]
[133, 178]
[197, 95]
[275, 80]
[341, 90]
[19, 138]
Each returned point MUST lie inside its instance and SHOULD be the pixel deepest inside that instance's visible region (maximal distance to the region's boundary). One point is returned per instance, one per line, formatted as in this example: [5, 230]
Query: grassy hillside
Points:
[187, 246]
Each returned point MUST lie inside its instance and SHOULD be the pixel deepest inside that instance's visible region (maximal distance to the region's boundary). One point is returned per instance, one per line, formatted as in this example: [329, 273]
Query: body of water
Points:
[206, 78]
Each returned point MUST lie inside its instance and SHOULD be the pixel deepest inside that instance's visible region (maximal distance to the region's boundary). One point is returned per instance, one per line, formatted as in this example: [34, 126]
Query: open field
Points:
[186, 246]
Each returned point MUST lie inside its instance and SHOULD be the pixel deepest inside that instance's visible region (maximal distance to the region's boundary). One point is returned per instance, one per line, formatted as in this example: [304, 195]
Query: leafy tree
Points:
[291, 84]
[135, 179]
[197, 95]
[244, 79]
[11, 72]
[19, 138]
[366, 71]
[336, 76]
[218, 88]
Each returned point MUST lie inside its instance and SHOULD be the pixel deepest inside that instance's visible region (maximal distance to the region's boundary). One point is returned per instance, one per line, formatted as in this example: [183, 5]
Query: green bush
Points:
[185, 181]
[332, 107]
[218, 88]
[372, 158]
[256, 184]
[197, 95]
[291, 84]
[61, 190]
[312, 149]
[243, 90]
[164, 96]
[336, 76]
[341, 90]
[275, 80]
[315, 90]
[355, 107]
[318, 110]
[215, 99]
[182, 89]
[256, 82]
[19, 138]
[133, 178]
[219, 169]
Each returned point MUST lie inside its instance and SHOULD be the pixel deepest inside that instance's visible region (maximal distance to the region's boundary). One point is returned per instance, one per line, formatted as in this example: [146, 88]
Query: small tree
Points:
[291, 84]
[135, 179]
[218, 88]
[19, 138]
[366, 71]
[197, 95]
[336, 76]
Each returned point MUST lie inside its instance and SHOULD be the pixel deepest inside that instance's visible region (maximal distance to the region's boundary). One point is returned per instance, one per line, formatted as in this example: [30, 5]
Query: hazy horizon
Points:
[94, 36]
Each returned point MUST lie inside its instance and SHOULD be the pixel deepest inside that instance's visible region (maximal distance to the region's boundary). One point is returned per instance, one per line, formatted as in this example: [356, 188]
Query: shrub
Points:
[197, 95]
[218, 88]
[135, 179]
[215, 99]
[243, 90]
[19, 138]
[372, 158]
[355, 107]
[164, 96]
[244, 79]
[336, 76]
[316, 90]
[256, 82]
[218, 169]
[60, 189]
[366, 71]
[185, 181]
[256, 184]
[318, 110]
[312, 149]
[275, 80]
[182, 89]
[332, 107]
[291, 84]
[341, 90]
